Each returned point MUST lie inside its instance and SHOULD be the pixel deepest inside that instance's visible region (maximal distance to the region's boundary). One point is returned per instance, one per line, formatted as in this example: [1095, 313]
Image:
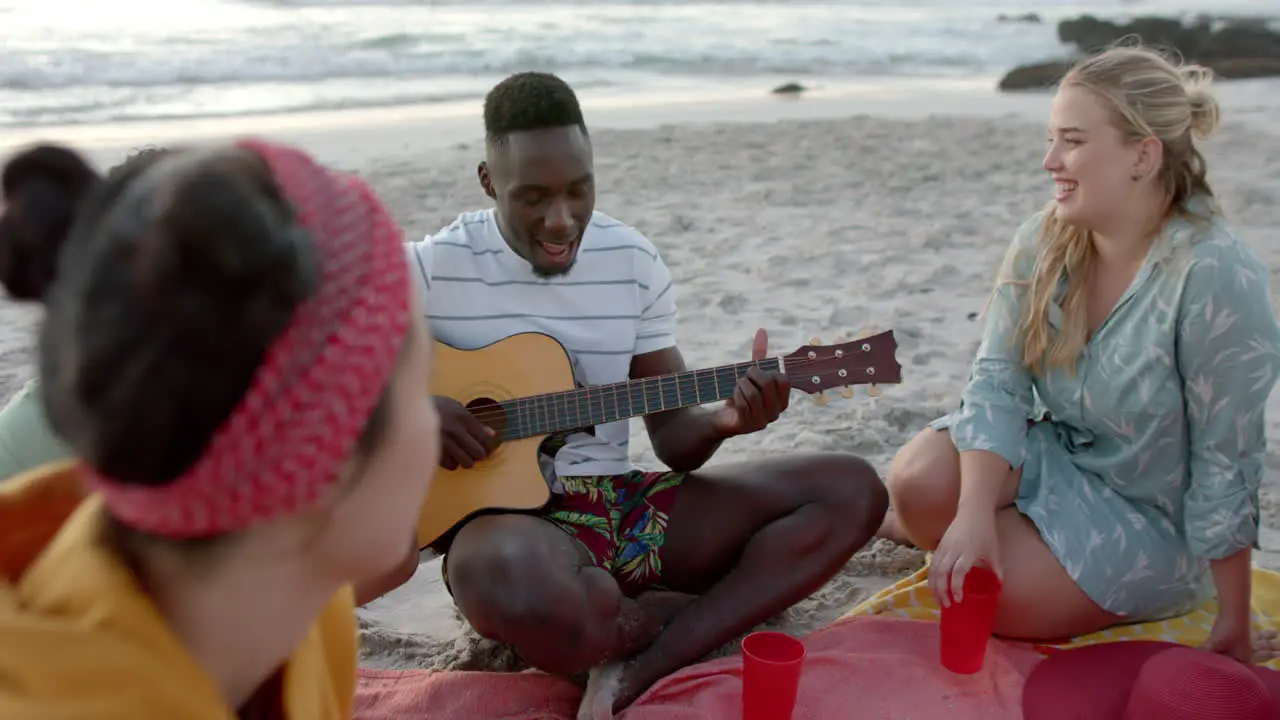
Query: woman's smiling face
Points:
[1089, 160]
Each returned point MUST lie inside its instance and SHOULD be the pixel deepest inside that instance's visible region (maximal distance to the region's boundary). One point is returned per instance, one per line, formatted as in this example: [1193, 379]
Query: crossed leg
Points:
[1039, 601]
[744, 542]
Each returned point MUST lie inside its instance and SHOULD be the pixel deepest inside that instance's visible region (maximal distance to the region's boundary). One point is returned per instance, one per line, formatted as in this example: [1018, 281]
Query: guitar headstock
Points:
[865, 360]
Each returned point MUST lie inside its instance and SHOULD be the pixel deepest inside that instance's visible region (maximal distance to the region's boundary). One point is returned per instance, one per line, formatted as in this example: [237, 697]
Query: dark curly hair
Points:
[530, 101]
[163, 295]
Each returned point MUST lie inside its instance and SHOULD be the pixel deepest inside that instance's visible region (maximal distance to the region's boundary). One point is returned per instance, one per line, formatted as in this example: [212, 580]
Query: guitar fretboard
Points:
[600, 404]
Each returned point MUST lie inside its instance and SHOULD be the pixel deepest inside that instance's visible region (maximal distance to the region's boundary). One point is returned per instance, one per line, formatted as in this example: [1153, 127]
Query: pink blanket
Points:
[872, 667]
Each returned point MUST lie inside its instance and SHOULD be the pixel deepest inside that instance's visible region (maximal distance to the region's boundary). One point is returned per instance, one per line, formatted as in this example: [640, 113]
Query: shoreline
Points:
[456, 121]
[351, 137]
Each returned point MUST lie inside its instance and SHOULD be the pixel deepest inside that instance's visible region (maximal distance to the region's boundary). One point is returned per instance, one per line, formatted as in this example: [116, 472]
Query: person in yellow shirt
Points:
[230, 354]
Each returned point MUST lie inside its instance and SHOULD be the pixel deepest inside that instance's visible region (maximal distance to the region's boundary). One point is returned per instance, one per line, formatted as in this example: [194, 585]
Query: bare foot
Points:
[662, 605]
[1266, 646]
[602, 689]
[890, 530]
[605, 684]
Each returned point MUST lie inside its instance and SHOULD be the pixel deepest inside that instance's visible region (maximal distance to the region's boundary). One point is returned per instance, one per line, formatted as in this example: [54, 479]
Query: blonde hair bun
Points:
[1206, 115]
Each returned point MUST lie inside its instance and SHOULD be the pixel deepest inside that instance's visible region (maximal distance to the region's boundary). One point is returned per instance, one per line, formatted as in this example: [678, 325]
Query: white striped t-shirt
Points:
[616, 302]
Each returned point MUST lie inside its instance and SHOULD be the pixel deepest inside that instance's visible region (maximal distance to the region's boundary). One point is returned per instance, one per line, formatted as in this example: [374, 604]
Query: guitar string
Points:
[655, 383]
[553, 414]
[794, 364]
[526, 421]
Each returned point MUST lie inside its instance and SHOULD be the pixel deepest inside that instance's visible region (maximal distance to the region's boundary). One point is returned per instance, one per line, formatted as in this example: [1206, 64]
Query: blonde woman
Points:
[1107, 453]
[231, 353]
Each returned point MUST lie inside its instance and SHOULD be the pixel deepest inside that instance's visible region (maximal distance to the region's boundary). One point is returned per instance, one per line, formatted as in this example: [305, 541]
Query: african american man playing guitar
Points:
[639, 572]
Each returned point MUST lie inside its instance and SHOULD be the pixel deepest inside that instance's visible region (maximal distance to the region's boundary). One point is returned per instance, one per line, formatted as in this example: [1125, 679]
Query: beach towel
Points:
[868, 667]
[911, 598]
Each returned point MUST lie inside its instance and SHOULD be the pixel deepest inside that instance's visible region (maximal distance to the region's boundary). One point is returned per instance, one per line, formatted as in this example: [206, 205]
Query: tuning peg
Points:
[841, 338]
[873, 391]
[865, 332]
[815, 340]
[846, 392]
[821, 399]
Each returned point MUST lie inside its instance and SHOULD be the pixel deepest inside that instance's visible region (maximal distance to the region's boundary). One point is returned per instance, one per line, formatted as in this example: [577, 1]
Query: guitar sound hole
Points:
[489, 412]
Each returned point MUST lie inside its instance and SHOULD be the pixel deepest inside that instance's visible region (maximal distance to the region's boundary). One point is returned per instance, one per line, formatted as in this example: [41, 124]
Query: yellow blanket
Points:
[911, 598]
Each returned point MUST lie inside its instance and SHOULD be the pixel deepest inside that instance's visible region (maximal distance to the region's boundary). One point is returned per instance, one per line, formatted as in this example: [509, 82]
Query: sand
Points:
[804, 227]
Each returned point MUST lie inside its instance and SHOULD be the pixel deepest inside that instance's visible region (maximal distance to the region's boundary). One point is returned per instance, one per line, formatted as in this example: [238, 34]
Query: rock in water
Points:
[1232, 48]
[790, 88]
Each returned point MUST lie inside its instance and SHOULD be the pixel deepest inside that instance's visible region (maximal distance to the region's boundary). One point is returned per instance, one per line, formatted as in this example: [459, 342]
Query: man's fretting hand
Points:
[760, 397]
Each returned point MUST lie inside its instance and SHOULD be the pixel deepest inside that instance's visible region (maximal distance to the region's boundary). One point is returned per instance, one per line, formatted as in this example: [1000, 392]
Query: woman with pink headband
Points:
[230, 351]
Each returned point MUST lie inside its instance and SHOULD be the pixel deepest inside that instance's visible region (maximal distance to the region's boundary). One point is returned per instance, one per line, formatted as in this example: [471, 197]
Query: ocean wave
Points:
[95, 105]
[266, 56]
[101, 112]
[317, 40]
[87, 62]
[106, 71]
[185, 64]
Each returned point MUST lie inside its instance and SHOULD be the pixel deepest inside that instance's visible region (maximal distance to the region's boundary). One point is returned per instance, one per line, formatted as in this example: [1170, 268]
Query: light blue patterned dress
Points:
[1151, 460]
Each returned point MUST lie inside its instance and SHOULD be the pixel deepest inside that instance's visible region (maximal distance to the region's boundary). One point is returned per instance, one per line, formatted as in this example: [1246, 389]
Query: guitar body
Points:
[509, 479]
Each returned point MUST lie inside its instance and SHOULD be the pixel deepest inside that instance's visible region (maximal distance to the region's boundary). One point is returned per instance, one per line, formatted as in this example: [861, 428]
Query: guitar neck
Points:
[600, 404]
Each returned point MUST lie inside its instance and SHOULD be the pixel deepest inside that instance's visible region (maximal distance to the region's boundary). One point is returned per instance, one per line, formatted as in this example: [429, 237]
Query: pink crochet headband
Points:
[309, 401]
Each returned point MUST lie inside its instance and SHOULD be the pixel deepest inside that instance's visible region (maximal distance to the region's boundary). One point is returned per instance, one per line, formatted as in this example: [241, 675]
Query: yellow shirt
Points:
[79, 639]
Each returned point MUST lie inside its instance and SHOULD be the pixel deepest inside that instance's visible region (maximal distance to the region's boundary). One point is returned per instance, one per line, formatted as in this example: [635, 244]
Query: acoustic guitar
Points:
[523, 387]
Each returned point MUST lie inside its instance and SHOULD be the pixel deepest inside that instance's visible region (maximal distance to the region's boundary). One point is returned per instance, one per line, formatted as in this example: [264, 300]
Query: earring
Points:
[1135, 178]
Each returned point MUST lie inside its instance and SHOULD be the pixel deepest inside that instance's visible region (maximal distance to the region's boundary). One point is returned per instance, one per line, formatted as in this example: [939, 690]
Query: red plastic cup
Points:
[966, 626]
[771, 664]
